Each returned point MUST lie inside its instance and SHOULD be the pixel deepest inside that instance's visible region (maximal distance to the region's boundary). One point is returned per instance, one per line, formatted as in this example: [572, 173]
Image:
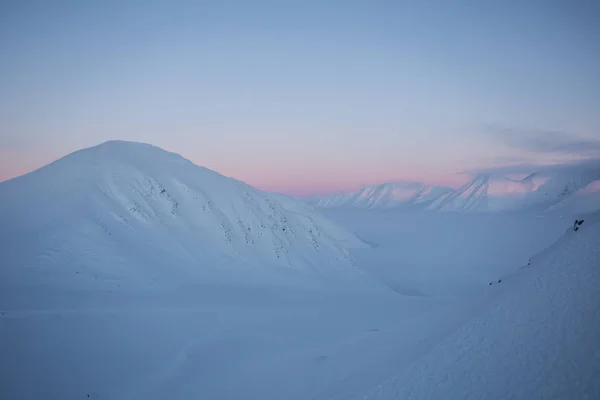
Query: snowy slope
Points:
[446, 254]
[192, 341]
[125, 210]
[387, 195]
[482, 193]
[539, 338]
[586, 200]
[557, 190]
[472, 196]
[487, 193]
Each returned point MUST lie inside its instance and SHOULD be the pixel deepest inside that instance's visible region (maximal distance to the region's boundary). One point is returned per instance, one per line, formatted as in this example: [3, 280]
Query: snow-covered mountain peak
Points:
[485, 192]
[124, 206]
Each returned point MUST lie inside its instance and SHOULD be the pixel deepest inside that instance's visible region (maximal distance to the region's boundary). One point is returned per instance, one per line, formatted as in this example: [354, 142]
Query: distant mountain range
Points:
[563, 192]
[386, 195]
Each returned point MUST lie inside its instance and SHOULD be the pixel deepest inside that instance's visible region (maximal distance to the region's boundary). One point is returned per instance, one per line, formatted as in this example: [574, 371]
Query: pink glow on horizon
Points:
[312, 181]
[317, 187]
[17, 162]
[593, 187]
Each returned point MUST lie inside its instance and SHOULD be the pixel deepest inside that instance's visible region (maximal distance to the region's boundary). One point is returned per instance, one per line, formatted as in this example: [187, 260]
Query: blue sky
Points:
[303, 96]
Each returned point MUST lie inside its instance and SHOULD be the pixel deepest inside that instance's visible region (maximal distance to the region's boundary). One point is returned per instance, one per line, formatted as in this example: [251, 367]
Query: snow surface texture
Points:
[131, 211]
[483, 193]
[539, 339]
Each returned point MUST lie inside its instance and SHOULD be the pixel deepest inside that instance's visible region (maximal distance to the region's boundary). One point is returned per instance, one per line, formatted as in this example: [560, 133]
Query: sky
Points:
[304, 97]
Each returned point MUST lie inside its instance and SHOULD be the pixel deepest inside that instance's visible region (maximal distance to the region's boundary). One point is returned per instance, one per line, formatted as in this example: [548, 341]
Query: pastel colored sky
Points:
[304, 97]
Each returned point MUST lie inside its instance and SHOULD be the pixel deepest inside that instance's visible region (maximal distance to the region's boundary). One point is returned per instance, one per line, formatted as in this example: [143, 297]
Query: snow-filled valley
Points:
[130, 273]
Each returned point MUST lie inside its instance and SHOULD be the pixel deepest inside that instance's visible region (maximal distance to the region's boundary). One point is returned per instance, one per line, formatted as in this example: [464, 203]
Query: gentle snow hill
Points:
[387, 195]
[124, 210]
[539, 338]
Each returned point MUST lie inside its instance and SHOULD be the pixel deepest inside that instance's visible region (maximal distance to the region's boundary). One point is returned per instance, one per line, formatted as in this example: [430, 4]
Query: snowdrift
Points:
[538, 337]
[130, 211]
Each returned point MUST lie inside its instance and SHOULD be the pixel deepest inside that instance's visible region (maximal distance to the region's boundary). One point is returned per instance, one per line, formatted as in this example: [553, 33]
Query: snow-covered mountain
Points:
[124, 209]
[471, 196]
[583, 201]
[482, 193]
[486, 193]
[423, 339]
[538, 337]
[559, 190]
[387, 195]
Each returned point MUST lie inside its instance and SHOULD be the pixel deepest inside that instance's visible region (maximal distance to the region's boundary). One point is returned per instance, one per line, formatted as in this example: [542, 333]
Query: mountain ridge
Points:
[118, 204]
[484, 192]
[385, 195]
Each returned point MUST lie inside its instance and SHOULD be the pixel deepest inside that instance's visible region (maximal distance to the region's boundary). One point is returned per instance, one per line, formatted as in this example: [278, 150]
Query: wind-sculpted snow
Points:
[128, 209]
